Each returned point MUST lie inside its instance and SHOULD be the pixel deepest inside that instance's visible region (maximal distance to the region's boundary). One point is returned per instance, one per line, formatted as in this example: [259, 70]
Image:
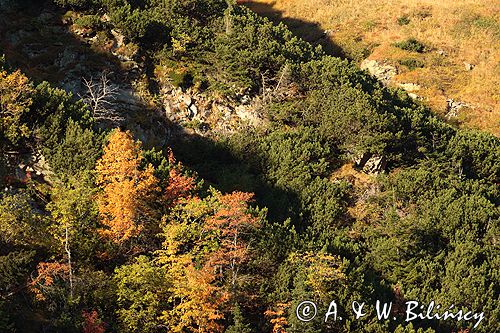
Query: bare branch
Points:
[100, 97]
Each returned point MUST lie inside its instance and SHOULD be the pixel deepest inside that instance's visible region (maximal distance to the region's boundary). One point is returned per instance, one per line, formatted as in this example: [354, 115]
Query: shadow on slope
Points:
[309, 31]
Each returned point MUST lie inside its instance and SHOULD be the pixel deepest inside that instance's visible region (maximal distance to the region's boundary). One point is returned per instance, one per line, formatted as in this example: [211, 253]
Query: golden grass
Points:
[467, 30]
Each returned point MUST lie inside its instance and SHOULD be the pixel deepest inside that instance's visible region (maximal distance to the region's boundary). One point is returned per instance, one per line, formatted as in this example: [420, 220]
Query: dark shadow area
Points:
[35, 39]
[219, 168]
[309, 31]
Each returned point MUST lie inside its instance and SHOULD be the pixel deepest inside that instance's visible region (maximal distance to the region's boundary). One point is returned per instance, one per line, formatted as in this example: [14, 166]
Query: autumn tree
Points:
[142, 290]
[126, 188]
[179, 186]
[15, 100]
[277, 318]
[206, 244]
[92, 323]
[198, 299]
[74, 213]
[48, 284]
[230, 226]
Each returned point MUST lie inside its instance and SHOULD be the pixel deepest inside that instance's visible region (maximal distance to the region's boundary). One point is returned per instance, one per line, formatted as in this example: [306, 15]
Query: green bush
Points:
[89, 21]
[77, 152]
[182, 79]
[51, 111]
[411, 63]
[254, 47]
[403, 20]
[147, 26]
[411, 44]
[82, 4]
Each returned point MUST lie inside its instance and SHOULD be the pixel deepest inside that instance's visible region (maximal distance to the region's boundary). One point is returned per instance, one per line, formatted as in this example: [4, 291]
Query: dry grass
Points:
[466, 30]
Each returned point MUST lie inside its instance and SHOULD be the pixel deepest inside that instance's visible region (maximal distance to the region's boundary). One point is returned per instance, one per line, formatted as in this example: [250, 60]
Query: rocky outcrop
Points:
[410, 87]
[383, 72]
[371, 164]
[442, 52]
[453, 108]
[205, 114]
[375, 165]
[31, 166]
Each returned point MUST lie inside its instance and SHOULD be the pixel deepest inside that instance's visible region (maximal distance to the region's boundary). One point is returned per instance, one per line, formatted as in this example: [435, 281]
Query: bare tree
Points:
[100, 97]
[277, 87]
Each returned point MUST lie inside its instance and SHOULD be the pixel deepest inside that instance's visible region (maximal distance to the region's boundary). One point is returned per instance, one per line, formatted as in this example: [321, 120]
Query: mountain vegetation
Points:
[348, 190]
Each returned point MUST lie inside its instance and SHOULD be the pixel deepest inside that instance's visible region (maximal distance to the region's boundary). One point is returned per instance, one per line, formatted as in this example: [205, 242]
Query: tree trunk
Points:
[70, 269]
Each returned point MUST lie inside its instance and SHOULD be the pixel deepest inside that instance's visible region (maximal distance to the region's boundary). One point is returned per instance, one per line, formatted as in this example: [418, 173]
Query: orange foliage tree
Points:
[127, 190]
[92, 323]
[47, 274]
[229, 225]
[179, 185]
[206, 243]
[199, 299]
[277, 317]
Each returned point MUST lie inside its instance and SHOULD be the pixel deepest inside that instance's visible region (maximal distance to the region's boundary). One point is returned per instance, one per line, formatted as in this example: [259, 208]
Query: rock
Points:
[375, 165]
[382, 72]
[33, 50]
[442, 52]
[105, 18]
[17, 37]
[370, 163]
[248, 114]
[193, 111]
[46, 16]
[119, 38]
[83, 32]
[126, 96]
[361, 159]
[453, 108]
[468, 67]
[71, 84]
[66, 58]
[409, 88]
[40, 167]
[187, 100]
[245, 99]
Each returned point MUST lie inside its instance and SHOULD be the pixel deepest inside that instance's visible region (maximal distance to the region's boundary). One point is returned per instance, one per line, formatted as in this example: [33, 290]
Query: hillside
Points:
[459, 61]
[190, 166]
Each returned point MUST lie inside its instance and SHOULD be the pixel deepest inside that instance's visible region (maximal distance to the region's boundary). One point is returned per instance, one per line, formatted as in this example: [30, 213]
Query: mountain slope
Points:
[461, 40]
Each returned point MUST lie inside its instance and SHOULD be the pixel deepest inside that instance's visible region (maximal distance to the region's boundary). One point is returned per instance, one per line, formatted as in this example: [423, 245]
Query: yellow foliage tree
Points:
[199, 298]
[126, 189]
[15, 99]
